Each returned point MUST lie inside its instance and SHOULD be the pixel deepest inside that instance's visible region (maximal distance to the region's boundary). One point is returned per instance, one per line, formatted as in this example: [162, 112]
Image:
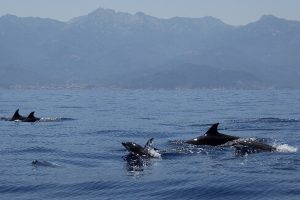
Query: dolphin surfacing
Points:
[29, 118]
[251, 146]
[17, 116]
[137, 150]
[212, 137]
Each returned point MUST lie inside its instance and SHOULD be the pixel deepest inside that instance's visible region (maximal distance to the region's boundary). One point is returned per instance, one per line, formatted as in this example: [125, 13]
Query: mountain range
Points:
[114, 49]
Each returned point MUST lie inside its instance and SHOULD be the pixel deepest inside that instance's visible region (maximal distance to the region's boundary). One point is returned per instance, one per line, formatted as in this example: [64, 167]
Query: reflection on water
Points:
[136, 163]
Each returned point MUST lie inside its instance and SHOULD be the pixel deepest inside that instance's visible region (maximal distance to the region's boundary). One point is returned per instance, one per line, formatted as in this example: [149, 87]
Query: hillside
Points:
[114, 49]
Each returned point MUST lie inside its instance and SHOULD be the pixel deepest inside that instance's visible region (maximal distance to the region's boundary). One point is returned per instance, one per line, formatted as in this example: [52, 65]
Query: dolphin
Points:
[43, 163]
[212, 137]
[137, 150]
[31, 118]
[17, 117]
[250, 146]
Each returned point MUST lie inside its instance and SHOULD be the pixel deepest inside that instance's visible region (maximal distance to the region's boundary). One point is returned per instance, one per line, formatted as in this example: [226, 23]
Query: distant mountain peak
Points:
[140, 14]
[271, 24]
[268, 17]
[103, 14]
[102, 11]
[9, 16]
[211, 19]
[271, 19]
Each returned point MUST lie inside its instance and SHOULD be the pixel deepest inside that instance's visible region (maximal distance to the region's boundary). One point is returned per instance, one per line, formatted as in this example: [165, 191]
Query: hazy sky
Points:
[234, 12]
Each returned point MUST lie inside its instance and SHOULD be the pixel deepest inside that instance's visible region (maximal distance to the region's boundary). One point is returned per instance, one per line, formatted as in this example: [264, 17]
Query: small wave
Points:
[179, 147]
[199, 125]
[276, 120]
[71, 107]
[43, 119]
[13, 189]
[169, 124]
[259, 124]
[265, 120]
[147, 118]
[285, 148]
[55, 119]
[34, 150]
[177, 142]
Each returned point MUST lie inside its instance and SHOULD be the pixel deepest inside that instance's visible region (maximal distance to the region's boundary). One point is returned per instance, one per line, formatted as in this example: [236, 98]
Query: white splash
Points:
[153, 153]
[285, 148]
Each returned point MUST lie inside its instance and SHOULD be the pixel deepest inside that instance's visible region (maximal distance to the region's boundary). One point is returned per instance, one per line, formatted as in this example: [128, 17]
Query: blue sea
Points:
[77, 144]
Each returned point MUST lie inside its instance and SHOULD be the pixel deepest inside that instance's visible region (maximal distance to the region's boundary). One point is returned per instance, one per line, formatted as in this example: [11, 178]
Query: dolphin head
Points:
[134, 148]
[34, 162]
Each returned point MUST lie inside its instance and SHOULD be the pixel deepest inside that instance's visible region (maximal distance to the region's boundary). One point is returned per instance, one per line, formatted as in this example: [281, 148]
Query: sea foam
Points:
[286, 148]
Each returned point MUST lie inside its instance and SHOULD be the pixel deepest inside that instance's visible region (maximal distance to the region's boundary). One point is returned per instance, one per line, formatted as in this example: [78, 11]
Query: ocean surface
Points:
[77, 144]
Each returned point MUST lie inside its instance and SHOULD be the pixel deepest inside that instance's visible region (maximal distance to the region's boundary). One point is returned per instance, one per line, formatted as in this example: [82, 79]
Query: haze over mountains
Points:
[113, 49]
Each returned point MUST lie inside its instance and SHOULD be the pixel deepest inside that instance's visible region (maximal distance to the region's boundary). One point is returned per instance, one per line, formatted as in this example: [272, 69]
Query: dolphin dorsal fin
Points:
[149, 143]
[31, 115]
[16, 115]
[213, 130]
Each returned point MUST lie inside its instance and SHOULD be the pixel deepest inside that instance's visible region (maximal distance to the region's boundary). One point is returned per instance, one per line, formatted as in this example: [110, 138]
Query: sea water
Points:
[77, 144]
